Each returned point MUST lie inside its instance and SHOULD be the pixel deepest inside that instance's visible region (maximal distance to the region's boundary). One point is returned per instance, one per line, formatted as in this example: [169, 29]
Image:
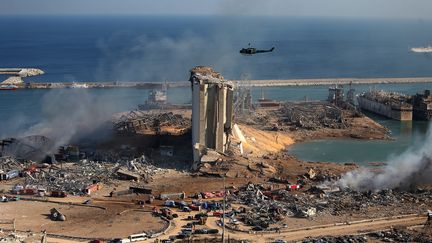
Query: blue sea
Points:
[139, 48]
[143, 48]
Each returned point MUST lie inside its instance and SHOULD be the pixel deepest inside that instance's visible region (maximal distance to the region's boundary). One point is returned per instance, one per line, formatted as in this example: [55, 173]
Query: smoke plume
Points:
[163, 58]
[70, 115]
[406, 171]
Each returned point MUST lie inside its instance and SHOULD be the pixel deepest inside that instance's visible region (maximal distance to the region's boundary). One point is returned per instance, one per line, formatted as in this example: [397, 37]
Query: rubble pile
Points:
[267, 207]
[71, 178]
[262, 212]
[78, 178]
[339, 202]
[391, 235]
[149, 122]
[8, 163]
[329, 239]
[311, 115]
[19, 237]
[142, 167]
[265, 210]
[394, 234]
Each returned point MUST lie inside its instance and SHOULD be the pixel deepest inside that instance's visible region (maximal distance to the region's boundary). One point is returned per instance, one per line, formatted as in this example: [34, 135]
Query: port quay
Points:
[253, 83]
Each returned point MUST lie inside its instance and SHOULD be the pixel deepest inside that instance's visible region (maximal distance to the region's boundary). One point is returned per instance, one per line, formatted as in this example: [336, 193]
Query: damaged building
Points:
[212, 111]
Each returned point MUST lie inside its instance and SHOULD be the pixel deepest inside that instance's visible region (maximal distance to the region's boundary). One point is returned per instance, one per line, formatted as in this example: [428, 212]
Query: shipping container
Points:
[58, 194]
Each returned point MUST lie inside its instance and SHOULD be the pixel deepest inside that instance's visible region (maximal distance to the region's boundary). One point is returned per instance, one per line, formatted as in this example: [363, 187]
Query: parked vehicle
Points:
[169, 203]
[186, 209]
[212, 231]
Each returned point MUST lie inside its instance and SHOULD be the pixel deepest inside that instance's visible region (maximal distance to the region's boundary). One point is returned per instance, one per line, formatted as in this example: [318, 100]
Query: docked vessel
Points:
[425, 49]
[157, 99]
[8, 87]
[422, 106]
[389, 104]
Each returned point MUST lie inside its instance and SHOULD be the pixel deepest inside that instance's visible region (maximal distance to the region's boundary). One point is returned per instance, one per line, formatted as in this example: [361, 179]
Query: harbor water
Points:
[24, 108]
[163, 48]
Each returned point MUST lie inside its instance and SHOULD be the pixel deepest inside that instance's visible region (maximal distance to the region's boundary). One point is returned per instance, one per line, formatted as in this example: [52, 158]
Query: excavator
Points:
[251, 50]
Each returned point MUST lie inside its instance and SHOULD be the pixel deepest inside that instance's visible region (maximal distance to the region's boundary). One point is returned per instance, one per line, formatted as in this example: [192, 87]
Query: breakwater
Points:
[252, 83]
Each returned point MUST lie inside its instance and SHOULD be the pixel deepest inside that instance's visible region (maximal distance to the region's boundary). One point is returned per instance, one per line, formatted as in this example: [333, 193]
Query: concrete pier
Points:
[331, 81]
[251, 83]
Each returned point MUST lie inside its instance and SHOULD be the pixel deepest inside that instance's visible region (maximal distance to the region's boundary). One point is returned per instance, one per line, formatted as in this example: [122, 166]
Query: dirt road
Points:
[327, 230]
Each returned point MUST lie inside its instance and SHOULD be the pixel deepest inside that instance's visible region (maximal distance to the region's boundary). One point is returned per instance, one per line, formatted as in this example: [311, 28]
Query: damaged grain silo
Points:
[212, 111]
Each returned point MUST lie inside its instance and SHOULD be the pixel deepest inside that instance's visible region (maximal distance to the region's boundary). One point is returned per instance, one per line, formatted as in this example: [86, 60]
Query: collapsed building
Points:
[311, 115]
[34, 147]
[212, 111]
[148, 122]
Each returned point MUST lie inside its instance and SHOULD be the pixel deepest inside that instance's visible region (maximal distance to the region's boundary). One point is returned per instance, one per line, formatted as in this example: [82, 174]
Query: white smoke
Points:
[71, 114]
[406, 171]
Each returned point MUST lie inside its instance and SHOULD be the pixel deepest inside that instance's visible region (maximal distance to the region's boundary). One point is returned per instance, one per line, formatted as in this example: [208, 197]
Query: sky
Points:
[419, 9]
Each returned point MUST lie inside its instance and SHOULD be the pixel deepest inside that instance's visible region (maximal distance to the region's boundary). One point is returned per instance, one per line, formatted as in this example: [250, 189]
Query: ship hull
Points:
[385, 110]
[422, 114]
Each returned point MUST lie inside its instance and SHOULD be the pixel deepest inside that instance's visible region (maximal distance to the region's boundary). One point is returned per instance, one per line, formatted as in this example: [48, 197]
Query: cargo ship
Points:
[389, 104]
[422, 106]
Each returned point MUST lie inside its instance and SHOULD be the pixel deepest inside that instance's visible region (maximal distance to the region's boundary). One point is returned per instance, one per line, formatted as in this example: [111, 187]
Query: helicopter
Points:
[251, 50]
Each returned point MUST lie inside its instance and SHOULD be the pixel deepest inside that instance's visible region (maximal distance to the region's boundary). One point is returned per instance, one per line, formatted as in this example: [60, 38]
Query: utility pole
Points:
[223, 214]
